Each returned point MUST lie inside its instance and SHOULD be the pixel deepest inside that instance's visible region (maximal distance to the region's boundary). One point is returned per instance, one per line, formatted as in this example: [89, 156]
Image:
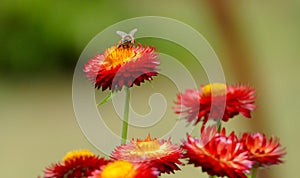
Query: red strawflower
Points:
[121, 66]
[218, 154]
[264, 152]
[79, 163]
[124, 169]
[215, 101]
[160, 154]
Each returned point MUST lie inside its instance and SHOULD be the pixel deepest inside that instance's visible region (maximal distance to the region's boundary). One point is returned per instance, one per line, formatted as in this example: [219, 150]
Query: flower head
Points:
[160, 154]
[79, 163]
[215, 101]
[218, 154]
[264, 152]
[121, 66]
[124, 169]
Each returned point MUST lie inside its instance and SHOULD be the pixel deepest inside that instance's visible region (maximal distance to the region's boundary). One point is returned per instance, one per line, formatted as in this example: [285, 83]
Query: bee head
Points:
[127, 39]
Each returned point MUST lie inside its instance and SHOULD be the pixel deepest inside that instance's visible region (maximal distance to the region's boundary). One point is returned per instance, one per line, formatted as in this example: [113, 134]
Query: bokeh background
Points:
[257, 42]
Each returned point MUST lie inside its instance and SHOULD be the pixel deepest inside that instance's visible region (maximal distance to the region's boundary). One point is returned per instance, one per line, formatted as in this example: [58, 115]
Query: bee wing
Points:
[132, 32]
[122, 34]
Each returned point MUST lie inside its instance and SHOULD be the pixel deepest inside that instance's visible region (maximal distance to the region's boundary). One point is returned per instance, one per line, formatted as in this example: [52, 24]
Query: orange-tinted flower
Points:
[124, 169]
[218, 154]
[80, 163]
[264, 152]
[160, 154]
[215, 101]
[121, 66]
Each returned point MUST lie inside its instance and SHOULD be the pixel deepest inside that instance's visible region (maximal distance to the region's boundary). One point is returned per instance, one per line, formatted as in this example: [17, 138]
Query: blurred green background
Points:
[257, 43]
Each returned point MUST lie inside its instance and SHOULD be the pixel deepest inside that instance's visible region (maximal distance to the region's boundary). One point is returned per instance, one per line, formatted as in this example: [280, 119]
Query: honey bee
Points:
[127, 40]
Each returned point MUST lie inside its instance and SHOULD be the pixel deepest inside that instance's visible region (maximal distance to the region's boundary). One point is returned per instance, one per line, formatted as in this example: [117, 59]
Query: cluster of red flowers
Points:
[141, 158]
[218, 154]
[221, 155]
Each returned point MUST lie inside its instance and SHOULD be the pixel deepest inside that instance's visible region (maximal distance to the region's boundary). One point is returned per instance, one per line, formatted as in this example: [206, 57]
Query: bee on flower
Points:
[123, 65]
[127, 40]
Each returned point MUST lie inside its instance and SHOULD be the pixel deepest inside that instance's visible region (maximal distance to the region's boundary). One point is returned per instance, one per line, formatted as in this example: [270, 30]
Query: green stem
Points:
[219, 125]
[126, 116]
[212, 176]
[253, 172]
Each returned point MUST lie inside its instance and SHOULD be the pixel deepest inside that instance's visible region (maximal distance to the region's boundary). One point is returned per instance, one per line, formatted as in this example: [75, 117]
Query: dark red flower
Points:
[79, 163]
[125, 169]
[121, 66]
[264, 152]
[215, 101]
[218, 154]
[160, 154]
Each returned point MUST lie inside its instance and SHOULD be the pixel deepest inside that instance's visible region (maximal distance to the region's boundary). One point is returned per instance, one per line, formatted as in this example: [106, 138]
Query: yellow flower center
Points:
[147, 148]
[76, 154]
[215, 89]
[118, 55]
[118, 169]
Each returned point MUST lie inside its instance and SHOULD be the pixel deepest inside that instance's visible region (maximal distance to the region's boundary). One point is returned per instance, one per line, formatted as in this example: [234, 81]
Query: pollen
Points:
[119, 169]
[116, 56]
[215, 89]
[147, 147]
[76, 154]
